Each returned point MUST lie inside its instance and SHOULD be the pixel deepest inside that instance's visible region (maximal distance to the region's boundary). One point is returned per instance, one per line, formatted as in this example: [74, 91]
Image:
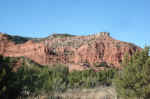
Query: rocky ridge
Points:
[74, 51]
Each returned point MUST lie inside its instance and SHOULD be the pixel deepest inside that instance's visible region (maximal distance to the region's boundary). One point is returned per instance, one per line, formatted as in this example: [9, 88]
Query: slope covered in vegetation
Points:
[33, 79]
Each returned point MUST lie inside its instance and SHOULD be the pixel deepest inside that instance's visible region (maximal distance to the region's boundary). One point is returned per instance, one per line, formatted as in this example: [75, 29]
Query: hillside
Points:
[77, 52]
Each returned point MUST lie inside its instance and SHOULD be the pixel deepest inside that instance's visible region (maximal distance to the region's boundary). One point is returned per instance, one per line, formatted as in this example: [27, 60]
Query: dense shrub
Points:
[35, 79]
[32, 78]
[101, 64]
[90, 78]
[58, 79]
[2, 81]
[62, 35]
[7, 88]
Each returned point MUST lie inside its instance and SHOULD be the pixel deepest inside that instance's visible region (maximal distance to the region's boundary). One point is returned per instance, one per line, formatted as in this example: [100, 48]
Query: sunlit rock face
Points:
[69, 49]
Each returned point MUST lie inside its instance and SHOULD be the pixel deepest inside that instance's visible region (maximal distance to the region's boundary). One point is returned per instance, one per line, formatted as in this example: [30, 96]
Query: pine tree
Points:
[2, 82]
[134, 80]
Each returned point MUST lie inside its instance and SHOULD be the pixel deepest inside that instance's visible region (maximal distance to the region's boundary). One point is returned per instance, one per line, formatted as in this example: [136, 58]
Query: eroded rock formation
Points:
[70, 50]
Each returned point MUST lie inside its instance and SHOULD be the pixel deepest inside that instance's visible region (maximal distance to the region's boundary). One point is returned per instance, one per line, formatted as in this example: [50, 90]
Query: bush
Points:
[32, 78]
[62, 35]
[58, 79]
[7, 88]
[35, 79]
[101, 64]
[90, 78]
[3, 87]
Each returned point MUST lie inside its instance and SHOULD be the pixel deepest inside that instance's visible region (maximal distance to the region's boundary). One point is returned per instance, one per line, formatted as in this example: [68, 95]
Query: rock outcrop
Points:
[70, 50]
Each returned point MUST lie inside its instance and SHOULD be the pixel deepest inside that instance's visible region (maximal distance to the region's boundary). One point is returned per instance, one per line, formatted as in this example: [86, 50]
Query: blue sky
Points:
[127, 20]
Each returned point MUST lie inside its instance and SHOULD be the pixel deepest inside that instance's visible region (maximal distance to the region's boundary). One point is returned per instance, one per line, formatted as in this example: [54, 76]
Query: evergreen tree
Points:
[134, 80]
[2, 82]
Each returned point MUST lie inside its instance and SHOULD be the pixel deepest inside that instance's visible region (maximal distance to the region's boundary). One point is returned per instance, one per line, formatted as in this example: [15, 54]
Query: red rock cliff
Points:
[70, 50]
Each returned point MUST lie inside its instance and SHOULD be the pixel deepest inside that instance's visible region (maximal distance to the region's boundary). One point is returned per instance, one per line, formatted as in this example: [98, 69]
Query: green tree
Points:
[2, 82]
[6, 81]
[133, 81]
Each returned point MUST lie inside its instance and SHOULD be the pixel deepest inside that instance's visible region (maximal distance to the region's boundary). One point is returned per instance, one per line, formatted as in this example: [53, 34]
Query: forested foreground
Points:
[132, 82]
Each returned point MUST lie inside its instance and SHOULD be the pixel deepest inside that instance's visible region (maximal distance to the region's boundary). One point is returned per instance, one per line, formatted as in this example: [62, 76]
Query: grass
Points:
[93, 93]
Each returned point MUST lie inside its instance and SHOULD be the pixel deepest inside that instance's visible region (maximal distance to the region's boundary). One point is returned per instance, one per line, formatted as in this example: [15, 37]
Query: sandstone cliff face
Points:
[34, 51]
[73, 51]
